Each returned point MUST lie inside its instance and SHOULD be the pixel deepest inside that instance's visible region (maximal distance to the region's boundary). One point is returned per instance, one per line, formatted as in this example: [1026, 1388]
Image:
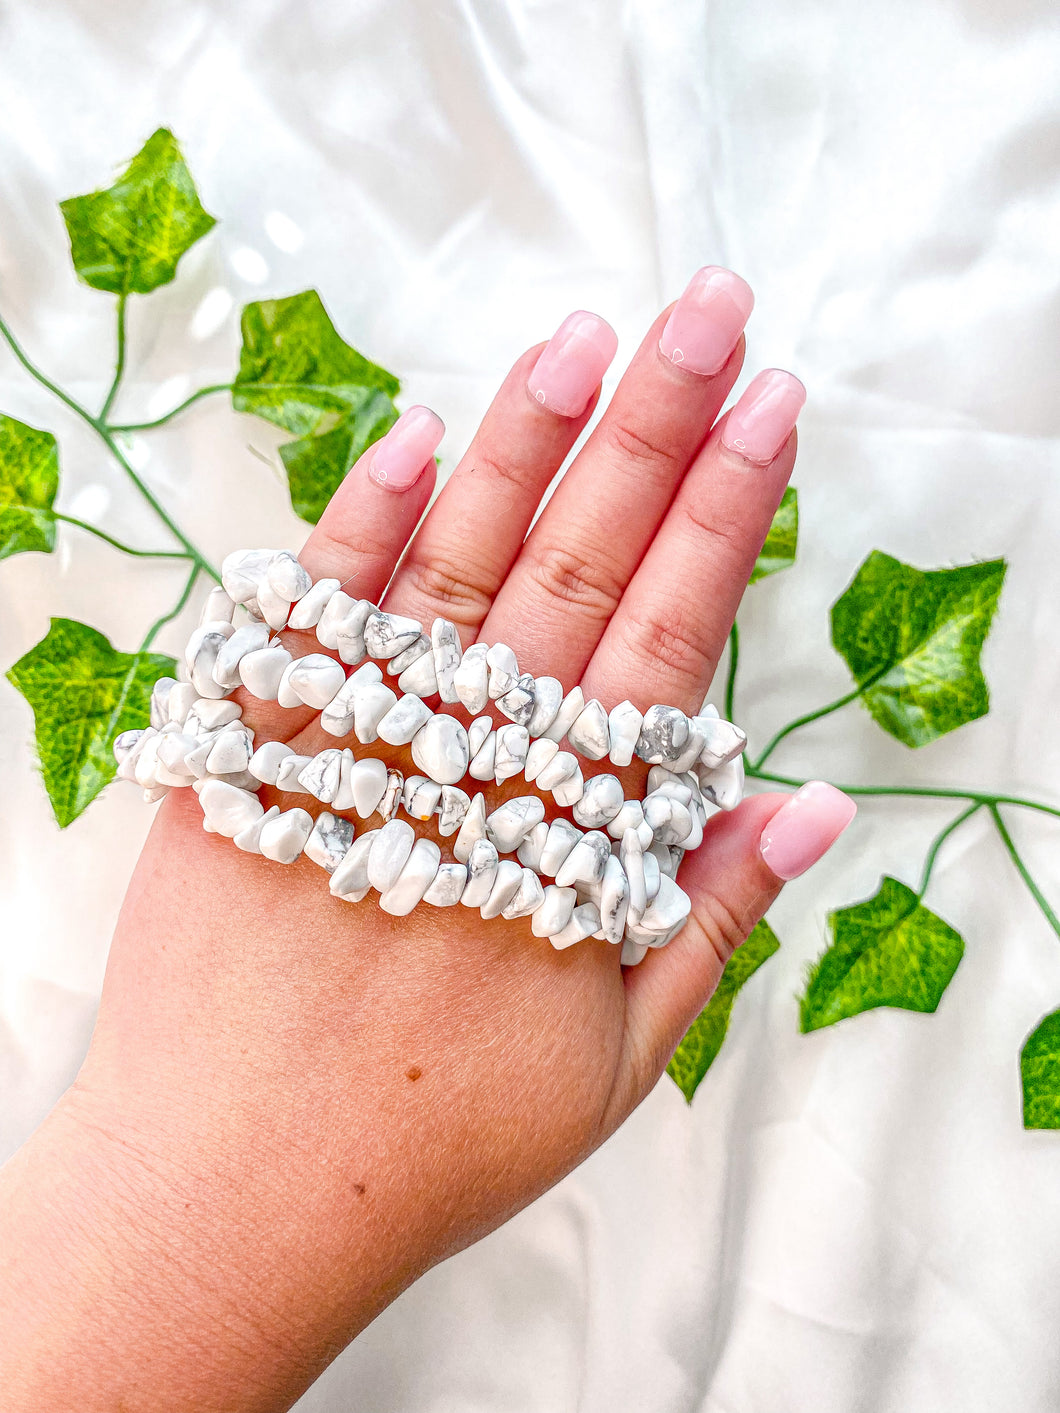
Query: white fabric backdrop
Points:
[852, 1220]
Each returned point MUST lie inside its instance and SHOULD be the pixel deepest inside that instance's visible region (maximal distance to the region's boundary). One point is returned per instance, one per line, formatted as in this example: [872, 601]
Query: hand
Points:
[293, 1106]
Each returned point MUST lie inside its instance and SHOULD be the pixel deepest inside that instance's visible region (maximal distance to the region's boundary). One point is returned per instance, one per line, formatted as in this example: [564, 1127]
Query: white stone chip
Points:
[201, 657]
[368, 781]
[513, 742]
[663, 735]
[250, 638]
[272, 606]
[337, 718]
[570, 709]
[180, 701]
[569, 791]
[417, 649]
[477, 732]
[484, 759]
[538, 756]
[614, 900]
[688, 757]
[371, 702]
[633, 953]
[390, 853]
[584, 921]
[722, 741]
[419, 677]
[289, 770]
[313, 680]
[548, 696]
[652, 875]
[471, 678]
[332, 614]
[670, 906]
[322, 776]
[414, 879]
[218, 607]
[389, 804]
[554, 911]
[267, 759]
[307, 611]
[344, 800]
[349, 633]
[449, 883]
[506, 881]
[602, 800]
[623, 724]
[588, 734]
[403, 720]
[670, 820]
[249, 839]
[503, 670]
[445, 650]
[387, 634]
[286, 576]
[329, 841]
[527, 898]
[440, 748]
[586, 861]
[420, 796]
[510, 823]
[562, 838]
[517, 704]
[482, 864]
[350, 880]
[453, 809]
[213, 715]
[723, 786]
[261, 671]
[227, 808]
[529, 852]
[631, 855]
[472, 829]
[561, 767]
[629, 817]
[242, 571]
[231, 752]
[159, 709]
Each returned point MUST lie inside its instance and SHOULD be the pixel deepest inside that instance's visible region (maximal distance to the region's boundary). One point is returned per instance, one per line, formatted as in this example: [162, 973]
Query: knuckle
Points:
[640, 448]
[459, 594]
[511, 472]
[585, 582]
[371, 558]
[725, 535]
[679, 654]
[723, 927]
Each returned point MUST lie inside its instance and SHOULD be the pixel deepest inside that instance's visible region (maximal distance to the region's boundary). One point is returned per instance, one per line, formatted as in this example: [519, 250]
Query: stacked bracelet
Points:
[613, 878]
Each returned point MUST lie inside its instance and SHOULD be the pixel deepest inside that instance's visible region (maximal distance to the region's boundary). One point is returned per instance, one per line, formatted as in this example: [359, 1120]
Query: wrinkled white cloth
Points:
[852, 1220]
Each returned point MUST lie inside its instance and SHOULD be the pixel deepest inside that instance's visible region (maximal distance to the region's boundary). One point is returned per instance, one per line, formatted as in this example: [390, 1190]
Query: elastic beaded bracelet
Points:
[619, 884]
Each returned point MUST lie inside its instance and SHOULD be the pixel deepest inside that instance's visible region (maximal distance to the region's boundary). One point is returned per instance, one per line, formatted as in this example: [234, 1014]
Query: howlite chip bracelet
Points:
[613, 879]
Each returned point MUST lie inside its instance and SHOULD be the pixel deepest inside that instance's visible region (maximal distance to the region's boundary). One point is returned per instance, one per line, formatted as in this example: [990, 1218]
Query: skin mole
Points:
[413, 1072]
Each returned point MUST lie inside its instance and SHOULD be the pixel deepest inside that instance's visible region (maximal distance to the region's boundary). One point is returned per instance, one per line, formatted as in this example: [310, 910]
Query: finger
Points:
[472, 534]
[744, 861]
[360, 537]
[591, 535]
[665, 639]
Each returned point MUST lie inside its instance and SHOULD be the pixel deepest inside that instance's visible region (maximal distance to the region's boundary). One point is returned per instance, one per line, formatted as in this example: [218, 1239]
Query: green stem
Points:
[104, 433]
[168, 416]
[805, 721]
[1024, 872]
[730, 684]
[940, 839]
[168, 617]
[981, 797]
[118, 545]
[119, 366]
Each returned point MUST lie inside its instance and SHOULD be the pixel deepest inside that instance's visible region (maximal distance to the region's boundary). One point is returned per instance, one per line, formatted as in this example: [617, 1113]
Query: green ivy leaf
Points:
[29, 479]
[887, 951]
[778, 552]
[912, 639]
[1040, 1073]
[698, 1050]
[297, 371]
[83, 694]
[129, 238]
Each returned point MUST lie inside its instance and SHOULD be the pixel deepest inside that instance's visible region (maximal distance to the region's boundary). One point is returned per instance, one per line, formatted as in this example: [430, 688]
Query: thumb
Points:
[732, 878]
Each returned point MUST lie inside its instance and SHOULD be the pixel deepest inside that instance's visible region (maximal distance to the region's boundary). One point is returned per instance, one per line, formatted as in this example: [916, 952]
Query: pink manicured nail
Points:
[572, 363]
[761, 422]
[401, 455]
[805, 828]
[706, 322]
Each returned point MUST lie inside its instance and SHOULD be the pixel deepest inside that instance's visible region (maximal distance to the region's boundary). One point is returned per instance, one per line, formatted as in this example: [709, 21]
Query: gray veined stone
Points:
[250, 638]
[723, 786]
[517, 704]
[159, 711]
[629, 817]
[471, 678]
[510, 823]
[477, 732]
[548, 695]
[561, 840]
[307, 611]
[601, 800]
[249, 839]
[387, 634]
[180, 701]
[313, 680]
[404, 720]
[670, 906]
[344, 799]
[388, 805]
[482, 764]
[453, 809]
[586, 861]
[242, 571]
[440, 749]
[350, 880]
[419, 647]
[482, 864]
[623, 724]
[284, 837]
[208, 642]
[286, 576]
[584, 921]
[260, 671]
[266, 760]
[538, 756]
[631, 855]
[471, 830]
[287, 775]
[722, 741]
[420, 796]
[512, 745]
[663, 735]
[349, 633]
[390, 853]
[688, 757]
[529, 853]
[338, 717]
[506, 883]
[329, 841]
[614, 900]
[445, 649]
[321, 777]
[554, 911]
[588, 734]
[331, 616]
[570, 709]
[503, 670]
[669, 818]
[414, 879]
[449, 883]
[526, 899]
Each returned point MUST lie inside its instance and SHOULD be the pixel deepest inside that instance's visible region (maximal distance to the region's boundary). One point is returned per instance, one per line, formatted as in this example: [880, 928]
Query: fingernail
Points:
[761, 422]
[805, 828]
[706, 322]
[572, 363]
[399, 457]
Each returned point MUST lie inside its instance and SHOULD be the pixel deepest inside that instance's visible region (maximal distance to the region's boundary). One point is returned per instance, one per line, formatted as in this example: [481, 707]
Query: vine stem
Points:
[734, 662]
[119, 366]
[813, 716]
[1024, 872]
[118, 545]
[105, 434]
[940, 839]
[168, 416]
[160, 623]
